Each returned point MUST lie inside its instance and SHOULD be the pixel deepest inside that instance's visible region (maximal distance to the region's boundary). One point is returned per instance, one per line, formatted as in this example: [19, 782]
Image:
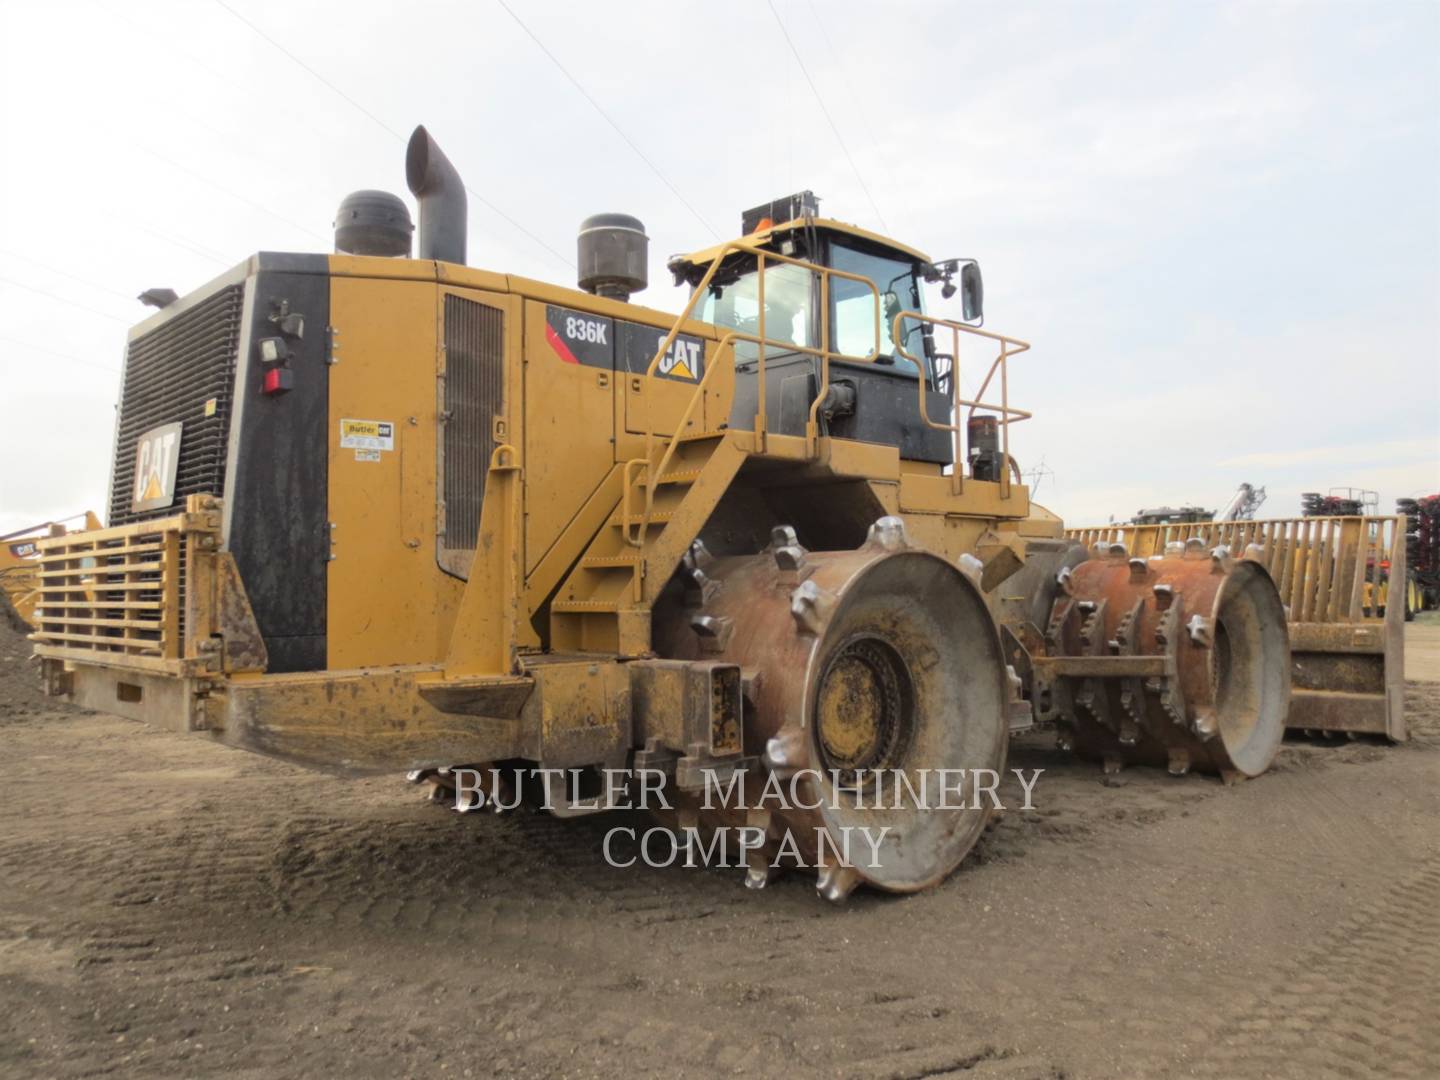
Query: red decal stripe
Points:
[561, 349]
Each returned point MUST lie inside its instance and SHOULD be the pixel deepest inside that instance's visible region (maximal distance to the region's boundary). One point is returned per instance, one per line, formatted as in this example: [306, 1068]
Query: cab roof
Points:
[763, 237]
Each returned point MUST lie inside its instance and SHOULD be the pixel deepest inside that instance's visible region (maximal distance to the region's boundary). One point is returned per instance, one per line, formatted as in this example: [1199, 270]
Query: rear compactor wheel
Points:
[1180, 660]
[858, 665]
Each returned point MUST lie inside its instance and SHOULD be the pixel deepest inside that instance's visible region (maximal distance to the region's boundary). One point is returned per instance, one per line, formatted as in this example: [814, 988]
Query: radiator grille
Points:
[474, 353]
[170, 374]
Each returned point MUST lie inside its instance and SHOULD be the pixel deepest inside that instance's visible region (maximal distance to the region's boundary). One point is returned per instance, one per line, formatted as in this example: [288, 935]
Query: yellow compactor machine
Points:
[373, 512]
[20, 567]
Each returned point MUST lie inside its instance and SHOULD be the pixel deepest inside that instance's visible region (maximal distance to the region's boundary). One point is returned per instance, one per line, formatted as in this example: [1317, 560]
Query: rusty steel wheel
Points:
[861, 665]
[1180, 660]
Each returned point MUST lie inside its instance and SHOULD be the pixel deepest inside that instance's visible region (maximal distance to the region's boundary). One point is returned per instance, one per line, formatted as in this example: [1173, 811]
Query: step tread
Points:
[611, 562]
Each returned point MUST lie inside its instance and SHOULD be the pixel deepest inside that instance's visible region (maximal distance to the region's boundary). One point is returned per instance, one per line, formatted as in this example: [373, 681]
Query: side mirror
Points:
[972, 292]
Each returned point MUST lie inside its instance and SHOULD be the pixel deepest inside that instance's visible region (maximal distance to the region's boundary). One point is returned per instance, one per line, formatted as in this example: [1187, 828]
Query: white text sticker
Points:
[367, 434]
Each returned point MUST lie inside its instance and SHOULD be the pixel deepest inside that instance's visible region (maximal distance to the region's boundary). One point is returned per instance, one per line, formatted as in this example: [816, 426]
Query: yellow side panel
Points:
[569, 435]
[389, 603]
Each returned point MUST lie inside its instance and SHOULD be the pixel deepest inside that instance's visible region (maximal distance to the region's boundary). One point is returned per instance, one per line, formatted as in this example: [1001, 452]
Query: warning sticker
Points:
[367, 455]
[367, 435]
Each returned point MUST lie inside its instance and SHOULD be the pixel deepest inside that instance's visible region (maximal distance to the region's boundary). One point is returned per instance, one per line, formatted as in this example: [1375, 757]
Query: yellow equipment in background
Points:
[20, 565]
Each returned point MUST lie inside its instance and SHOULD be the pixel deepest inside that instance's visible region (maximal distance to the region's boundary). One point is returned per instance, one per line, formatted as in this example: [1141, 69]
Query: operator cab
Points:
[873, 368]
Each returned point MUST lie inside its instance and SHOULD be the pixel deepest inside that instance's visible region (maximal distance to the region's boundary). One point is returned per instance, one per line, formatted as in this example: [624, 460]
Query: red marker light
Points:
[279, 380]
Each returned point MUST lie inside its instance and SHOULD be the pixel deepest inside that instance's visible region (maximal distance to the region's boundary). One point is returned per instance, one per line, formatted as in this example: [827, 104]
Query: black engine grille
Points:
[170, 374]
[474, 381]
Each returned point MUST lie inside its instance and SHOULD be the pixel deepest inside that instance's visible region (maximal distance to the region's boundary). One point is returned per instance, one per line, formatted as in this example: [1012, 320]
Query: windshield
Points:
[789, 305]
[852, 304]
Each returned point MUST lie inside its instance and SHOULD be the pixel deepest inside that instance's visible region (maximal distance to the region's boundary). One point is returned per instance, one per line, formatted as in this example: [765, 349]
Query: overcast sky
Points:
[1218, 224]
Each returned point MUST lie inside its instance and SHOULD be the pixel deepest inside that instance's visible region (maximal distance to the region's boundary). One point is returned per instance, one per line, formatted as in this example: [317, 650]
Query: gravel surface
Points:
[170, 907]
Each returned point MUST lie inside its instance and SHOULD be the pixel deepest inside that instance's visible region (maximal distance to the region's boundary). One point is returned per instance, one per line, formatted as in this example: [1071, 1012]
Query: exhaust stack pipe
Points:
[441, 194]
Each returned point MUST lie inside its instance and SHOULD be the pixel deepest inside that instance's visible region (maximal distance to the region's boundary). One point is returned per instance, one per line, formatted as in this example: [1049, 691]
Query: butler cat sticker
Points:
[157, 455]
[367, 435]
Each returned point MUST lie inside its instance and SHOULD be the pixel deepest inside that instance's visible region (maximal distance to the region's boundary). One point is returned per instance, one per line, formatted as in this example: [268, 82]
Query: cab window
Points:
[789, 306]
[852, 305]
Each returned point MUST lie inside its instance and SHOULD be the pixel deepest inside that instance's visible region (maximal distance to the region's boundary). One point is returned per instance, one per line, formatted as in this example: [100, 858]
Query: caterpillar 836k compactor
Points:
[374, 513]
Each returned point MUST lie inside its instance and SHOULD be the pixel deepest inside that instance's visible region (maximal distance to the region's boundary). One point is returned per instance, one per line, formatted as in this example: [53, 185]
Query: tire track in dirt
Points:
[1360, 1003]
[257, 919]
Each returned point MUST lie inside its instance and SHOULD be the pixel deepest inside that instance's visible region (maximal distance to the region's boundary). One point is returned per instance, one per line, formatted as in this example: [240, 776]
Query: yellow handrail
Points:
[1008, 347]
[634, 528]
[655, 469]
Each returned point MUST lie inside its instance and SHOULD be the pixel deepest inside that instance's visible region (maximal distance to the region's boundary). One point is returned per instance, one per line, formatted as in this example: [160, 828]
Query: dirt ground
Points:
[169, 907]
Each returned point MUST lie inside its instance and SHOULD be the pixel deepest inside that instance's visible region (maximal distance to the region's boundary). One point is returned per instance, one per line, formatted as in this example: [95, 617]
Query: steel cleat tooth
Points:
[811, 606]
[1179, 761]
[1112, 764]
[1201, 630]
[1065, 580]
[1220, 561]
[1164, 594]
[416, 776]
[759, 871]
[1064, 743]
[751, 680]
[836, 883]
[698, 556]
[1117, 551]
[1139, 570]
[972, 568]
[783, 536]
[1194, 546]
[1206, 725]
[1175, 549]
[700, 587]
[1254, 553]
[888, 533]
[1017, 684]
[790, 558]
[714, 631]
[786, 751]
[467, 802]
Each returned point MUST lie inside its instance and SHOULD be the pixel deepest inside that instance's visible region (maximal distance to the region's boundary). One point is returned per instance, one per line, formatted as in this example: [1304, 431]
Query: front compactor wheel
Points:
[867, 673]
[1180, 660]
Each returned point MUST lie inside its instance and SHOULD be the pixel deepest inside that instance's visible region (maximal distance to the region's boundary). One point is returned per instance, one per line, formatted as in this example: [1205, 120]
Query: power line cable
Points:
[154, 36]
[313, 73]
[828, 118]
[857, 101]
[390, 130]
[234, 194]
[65, 300]
[60, 355]
[608, 119]
[183, 245]
[66, 274]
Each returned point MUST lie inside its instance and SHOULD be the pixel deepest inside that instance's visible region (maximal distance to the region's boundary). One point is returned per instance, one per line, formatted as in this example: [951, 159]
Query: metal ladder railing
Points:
[634, 524]
[635, 528]
[1008, 347]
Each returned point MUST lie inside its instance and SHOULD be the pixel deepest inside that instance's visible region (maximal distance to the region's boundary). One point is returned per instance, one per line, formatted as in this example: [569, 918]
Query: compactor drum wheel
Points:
[859, 666]
[1180, 660]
